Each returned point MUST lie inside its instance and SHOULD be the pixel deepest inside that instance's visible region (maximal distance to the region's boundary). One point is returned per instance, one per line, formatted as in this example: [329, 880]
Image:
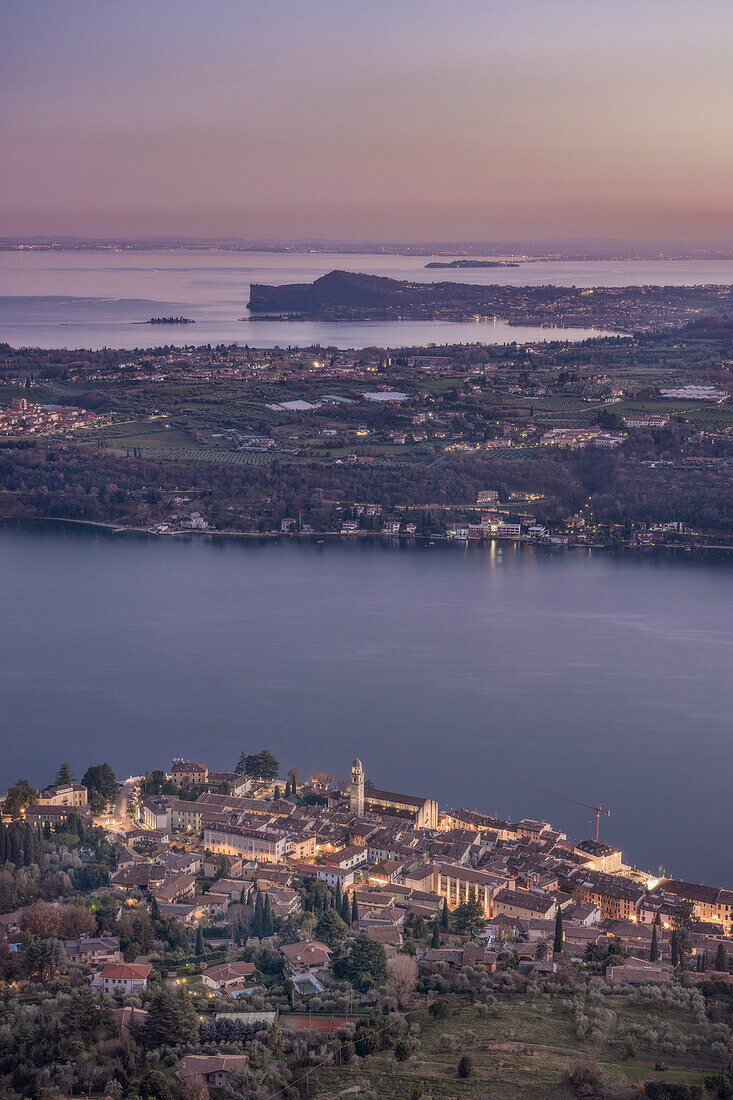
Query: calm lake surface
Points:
[472, 675]
[94, 299]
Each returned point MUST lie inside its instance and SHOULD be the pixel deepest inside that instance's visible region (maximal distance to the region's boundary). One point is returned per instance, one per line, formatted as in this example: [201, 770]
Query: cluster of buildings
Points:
[398, 856]
[23, 417]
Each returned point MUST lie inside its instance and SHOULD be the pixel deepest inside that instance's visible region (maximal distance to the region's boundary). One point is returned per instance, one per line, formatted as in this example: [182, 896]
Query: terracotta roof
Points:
[125, 971]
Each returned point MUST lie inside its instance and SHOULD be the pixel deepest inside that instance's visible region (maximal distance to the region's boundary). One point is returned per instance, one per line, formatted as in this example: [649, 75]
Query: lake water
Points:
[473, 675]
[92, 300]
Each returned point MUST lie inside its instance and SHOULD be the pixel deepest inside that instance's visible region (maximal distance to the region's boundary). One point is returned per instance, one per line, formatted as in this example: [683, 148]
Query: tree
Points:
[262, 765]
[287, 788]
[268, 921]
[541, 951]
[444, 916]
[241, 764]
[258, 923]
[199, 950]
[465, 1066]
[402, 977]
[721, 958]
[435, 938]
[559, 940]
[345, 913]
[19, 797]
[366, 962]
[469, 916]
[64, 776]
[155, 909]
[294, 780]
[354, 911]
[101, 783]
[195, 1088]
[675, 949]
[155, 1086]
[277, 793]
[654, 947]
[171, 1020]
[331, 930]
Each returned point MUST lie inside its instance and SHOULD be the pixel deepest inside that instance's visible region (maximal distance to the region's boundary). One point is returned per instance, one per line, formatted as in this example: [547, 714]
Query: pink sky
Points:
[411, 119]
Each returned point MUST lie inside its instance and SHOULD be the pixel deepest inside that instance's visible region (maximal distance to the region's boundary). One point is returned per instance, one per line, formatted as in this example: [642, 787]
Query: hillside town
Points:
[251, 932]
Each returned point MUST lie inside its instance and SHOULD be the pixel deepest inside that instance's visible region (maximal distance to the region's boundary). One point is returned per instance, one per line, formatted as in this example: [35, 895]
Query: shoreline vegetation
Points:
[471, 263]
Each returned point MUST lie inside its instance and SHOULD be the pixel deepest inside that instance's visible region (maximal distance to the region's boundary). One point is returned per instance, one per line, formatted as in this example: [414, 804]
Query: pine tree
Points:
[559, 935]
[721, 959]
[354, 910]
[64, 776]
[435, 940]
[654, 949]
[199, 941]
[444, 917]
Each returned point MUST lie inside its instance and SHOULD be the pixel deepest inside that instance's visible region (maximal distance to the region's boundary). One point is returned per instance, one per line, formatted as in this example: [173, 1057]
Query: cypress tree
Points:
[199, 941]
[154, 909]
[268, 921]
[444, 918]
[345, 910]
[721, 959]
[338, 895]
[675, 949]
[559, 935]
[287, 788]
[654, 949]
[277, 792]
[3, 841]
[435, 941]
[293, 785]
[354, 910]
[257, 923]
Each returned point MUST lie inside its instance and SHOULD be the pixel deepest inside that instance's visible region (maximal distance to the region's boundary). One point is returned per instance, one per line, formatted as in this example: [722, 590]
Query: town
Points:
[613, 442]
[250, 932]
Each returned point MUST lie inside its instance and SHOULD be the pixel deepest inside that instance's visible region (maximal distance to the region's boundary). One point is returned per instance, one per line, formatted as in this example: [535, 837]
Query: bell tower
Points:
[356, 789]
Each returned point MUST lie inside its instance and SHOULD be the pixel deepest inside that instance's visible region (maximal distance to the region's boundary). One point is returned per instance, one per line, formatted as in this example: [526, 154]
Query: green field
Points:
[523, 1053]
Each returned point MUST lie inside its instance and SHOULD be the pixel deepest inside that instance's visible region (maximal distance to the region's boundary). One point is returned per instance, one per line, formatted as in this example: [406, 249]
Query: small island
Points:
[472, 263]
[170, 321]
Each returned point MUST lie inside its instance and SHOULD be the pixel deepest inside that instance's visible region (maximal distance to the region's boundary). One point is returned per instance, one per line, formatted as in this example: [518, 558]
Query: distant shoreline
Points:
[716, 552]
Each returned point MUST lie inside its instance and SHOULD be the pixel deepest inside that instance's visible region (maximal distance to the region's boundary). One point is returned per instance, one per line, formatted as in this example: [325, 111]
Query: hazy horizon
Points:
[376, 122]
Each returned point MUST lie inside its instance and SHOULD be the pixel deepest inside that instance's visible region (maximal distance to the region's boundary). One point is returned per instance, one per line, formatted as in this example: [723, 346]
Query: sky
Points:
[389, 120]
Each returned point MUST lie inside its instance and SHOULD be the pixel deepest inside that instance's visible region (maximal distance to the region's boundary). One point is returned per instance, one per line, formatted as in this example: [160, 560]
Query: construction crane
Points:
[597, 809]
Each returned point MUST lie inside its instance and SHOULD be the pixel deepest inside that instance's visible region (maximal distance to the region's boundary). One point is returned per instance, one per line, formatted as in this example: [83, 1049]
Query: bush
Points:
[719, 1084]
[402, 1050]
[465, 1066]
[585, 1075]
[671, 1090]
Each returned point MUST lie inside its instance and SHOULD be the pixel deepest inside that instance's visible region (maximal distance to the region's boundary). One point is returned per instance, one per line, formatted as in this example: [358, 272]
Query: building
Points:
[525, 904]
[458, 884]
[356, 788]
[229, 977]
[122, 978]
[213, 1068]
[66, 794]
[155, 813]
[236, 840]
[45, 814]
[709, 903]
[422, 812]
[186, 773]
[93, 950]
[306, 955]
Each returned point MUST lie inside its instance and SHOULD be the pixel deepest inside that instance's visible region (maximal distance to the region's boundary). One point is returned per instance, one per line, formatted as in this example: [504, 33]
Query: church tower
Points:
[356, 790]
